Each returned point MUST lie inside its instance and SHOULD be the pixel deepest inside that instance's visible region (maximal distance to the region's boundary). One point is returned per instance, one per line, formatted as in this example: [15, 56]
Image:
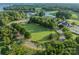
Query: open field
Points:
[37, 32]
[71, 21]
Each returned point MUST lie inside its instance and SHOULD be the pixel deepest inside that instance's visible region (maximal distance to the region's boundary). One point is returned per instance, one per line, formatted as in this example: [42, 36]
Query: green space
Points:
[73, 21]
[37, 32]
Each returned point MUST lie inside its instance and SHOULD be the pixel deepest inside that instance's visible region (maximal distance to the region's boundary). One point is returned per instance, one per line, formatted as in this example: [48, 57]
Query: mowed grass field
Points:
[71, 21]
[37, 32]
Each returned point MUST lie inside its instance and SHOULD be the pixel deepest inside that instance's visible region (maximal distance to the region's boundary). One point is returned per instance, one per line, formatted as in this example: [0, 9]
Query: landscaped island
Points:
[39, 29]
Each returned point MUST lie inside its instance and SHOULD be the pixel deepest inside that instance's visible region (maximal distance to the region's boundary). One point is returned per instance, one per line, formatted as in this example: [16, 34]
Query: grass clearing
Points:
[37, 32]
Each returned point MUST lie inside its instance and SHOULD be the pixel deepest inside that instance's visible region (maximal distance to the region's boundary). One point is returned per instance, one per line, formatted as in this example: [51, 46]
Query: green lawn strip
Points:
[40, 35]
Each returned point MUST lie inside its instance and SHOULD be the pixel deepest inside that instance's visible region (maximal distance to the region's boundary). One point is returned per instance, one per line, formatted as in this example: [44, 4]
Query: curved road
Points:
[62, 36]
[18, 21]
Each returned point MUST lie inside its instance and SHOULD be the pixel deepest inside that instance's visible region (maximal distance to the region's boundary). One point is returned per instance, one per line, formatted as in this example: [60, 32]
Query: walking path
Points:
[18, 21]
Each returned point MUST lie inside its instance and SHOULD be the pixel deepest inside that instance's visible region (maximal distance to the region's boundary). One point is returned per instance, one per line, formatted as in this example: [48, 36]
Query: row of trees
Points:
[22, 30]
[43, 21]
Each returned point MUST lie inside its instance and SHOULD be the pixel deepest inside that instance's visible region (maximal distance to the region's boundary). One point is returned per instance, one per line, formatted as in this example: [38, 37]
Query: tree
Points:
[68, 35]
[69, 47]
[7, 40]
[4, 50]
[40, 12]
[27, 35]
[65, 29]
[61, 26]
[54, 48]
[77, 39]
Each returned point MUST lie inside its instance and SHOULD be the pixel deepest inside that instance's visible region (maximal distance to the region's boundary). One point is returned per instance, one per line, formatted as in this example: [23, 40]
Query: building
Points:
[64, 23]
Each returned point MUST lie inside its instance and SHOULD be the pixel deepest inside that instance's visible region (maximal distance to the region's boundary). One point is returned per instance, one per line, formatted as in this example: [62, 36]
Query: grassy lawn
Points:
[37, 32]
[71, 21]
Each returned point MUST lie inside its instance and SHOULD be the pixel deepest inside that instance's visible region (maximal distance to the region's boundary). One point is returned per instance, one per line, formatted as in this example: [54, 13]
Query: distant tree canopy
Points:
[20, 8]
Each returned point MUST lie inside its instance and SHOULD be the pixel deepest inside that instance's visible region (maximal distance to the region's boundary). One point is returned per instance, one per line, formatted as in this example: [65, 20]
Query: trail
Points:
[32, 45]
[18, 21]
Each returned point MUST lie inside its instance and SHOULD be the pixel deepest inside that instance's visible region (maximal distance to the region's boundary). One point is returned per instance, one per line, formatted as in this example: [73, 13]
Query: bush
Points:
[77, 39]
[27, 35]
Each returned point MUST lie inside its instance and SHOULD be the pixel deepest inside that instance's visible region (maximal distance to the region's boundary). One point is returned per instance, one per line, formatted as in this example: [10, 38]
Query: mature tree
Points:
[54, 48]
[7, 40]
[27, 35]
[69, 47]
[68, 35]
[77, 39]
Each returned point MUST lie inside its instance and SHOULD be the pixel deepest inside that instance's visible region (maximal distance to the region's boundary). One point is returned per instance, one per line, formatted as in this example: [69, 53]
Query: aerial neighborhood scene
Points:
[39, 29]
